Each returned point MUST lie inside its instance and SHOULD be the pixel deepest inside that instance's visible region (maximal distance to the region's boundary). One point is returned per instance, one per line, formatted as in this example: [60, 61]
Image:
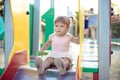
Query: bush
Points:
[115, 30]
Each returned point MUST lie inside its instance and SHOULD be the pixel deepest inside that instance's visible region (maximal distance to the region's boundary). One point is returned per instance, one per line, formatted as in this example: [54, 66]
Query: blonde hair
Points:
[63, 19]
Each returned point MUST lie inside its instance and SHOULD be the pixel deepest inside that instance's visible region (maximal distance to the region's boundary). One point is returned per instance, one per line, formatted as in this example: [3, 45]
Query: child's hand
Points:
[40, 53]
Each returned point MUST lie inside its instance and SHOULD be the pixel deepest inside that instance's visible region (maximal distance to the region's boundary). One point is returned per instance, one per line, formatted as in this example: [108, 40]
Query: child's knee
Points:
[49, 61]
[37, 60]
[67, 62]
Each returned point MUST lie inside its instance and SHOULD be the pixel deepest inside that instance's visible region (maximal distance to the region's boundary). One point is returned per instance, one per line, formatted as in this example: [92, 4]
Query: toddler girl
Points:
[60, 42]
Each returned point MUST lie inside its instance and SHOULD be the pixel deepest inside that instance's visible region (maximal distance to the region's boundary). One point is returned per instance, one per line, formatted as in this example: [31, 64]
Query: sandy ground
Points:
[114, 69]
[115, 64]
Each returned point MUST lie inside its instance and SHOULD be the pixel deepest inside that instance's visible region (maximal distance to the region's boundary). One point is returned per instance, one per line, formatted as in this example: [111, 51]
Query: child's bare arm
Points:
[76, 40]
[46, 45]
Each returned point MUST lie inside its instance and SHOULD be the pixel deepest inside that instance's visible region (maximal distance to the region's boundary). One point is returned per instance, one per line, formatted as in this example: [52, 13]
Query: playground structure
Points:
[1, 31]
[20, 37]
[115, 19]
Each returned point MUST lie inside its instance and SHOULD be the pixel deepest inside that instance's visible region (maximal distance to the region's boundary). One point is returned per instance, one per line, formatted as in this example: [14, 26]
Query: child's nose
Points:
[59, 27]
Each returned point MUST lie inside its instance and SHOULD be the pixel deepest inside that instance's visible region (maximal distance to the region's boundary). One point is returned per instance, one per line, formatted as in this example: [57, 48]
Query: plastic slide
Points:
[28, 73]
[20, 26]
[18, 59]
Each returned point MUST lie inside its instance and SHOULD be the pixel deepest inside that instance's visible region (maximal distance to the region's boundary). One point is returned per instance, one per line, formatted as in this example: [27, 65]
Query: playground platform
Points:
[29, 73]
[89, 64]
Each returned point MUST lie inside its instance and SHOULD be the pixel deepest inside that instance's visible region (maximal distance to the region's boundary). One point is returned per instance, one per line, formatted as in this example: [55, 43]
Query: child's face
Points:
[60, 28]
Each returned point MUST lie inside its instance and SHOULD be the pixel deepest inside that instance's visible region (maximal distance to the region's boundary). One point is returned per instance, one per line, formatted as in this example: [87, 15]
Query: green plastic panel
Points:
[31, 26]
[90, 70]
[1, 29]
[1, 71]
[48, 17]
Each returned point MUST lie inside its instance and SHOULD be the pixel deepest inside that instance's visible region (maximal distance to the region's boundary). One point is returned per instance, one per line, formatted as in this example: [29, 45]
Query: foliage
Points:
[115, 30]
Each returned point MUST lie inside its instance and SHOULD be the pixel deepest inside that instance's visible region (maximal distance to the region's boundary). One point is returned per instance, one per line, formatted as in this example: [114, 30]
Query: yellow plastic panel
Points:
[81, 25]
[20, 25]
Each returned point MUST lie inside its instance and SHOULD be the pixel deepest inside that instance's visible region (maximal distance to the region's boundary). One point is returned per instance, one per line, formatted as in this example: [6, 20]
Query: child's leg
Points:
[43, 65]
[48, 62]
[62, 64]
[67, 62]
[86, 33]
[39, 65]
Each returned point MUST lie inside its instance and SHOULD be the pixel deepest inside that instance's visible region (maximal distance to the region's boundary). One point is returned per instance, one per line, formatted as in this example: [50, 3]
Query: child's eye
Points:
[56, 26]
[61, 26]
